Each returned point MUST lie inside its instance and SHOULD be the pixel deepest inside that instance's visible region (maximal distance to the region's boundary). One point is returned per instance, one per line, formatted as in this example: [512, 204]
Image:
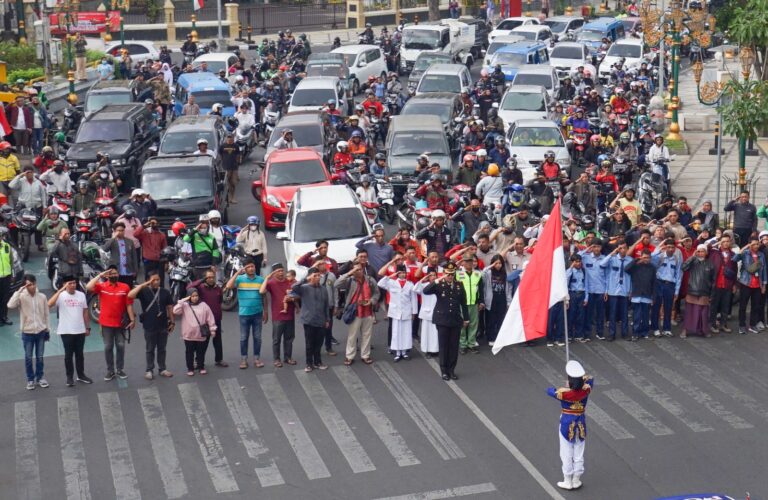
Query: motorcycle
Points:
[392, 102]
[63, 201]
[385, 194]
[179, 274]
[94, 263]
[270, 119]
[232, 265]
[651, 191]
[105, 211]
[623, 170]
[84, 227]
[407, 211]
[245, 141]
[230, 235]
[371, 211]
[73, 115]
[25, 223]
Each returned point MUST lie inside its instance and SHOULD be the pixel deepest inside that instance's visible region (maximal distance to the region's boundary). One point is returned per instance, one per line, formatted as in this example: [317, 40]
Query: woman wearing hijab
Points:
[701, 278]
[195, 316]
[167, 74]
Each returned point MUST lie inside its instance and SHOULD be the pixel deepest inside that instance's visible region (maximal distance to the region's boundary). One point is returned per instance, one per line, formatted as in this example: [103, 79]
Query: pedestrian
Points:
[320, 252]
[157, 320]
[73, 327]
[403, 306]
[114, 305]
[700, 282]
[327, 279]
[33, 308]
[6, 275]
[229, 153]
[595, 288]
[314, 316]
[449, 316]
[497, 295]
[577, 299]
[472, 281]
[197, 326]
[427, 330]
[250, 312]
[213, 295]
[21, 121]
[153, 241]
[70, 260]
[744, 217]
[723, 260]
[752, 280]
[644, 286]
[253, 240]
[191, 108]
[275, 290]
[80, 53]
[361, 293]
[379, 252]
[122, 254]
[669, 278]
[619, 284]
[573, 424]
[40, 123]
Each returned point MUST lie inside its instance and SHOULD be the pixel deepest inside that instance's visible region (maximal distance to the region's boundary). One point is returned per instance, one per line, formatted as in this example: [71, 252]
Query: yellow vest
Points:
[9, 168]
[6, 261]
[470, 282]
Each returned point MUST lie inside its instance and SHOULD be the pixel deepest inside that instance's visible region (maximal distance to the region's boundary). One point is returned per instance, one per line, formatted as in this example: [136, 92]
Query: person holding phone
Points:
[33, 308]
[74, 326]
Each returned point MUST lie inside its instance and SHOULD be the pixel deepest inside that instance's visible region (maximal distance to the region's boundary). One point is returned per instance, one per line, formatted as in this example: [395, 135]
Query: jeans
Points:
[665, 295]
[313, 339]
[73, 347]
[555, 325]
[576, 314]
[747, 294]
[156, 340]
[596, 315]
[33, 342]
[114, 338]
[195, 353]
[283, 332]
[640, 319]
[618, 311]
[250, 324]
[37, 139]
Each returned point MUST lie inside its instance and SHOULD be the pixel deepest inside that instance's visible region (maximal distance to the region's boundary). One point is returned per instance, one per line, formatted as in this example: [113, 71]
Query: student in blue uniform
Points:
[577, 299]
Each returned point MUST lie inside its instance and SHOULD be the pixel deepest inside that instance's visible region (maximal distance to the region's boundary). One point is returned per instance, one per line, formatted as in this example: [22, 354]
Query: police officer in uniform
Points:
[450, 315]
[573, 425]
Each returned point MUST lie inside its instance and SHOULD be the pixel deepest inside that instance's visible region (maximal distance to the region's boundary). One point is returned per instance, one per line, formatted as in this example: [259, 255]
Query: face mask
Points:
[113, 279]
[204, 231]
[475, 209]
[150, 229]
[103, 176]
[253, 227]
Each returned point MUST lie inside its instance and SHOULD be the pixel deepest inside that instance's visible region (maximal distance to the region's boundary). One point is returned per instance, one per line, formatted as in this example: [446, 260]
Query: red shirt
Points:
[378, 108]
[113, 299]
[639, 249]
[754, 281]
[277, 291]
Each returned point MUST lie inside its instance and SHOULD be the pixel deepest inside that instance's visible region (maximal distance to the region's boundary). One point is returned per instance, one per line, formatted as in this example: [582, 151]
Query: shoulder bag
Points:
[205, 330]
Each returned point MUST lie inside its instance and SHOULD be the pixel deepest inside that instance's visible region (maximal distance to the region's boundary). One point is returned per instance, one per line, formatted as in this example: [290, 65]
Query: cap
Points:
[574, 369]
[450, 268]
[138, 192]
[276, 266]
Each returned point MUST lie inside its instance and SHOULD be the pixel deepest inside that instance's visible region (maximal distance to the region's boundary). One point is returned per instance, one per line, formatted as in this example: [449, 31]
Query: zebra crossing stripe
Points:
[686, 386]
[648, 388]
[429, 426]
[596, 413]
[588, 367]
[249, 432]
[294, 430]
[637, 412]
[162, 443]
[27, 463]
[338, 428]
[210, 447]
[380, 423]
[76, 483]
[725, 360]
[120, 460]
[461, 491]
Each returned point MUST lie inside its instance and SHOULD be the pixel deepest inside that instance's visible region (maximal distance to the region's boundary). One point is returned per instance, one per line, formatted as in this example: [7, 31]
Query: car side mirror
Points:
[282, 235]
[361, 64]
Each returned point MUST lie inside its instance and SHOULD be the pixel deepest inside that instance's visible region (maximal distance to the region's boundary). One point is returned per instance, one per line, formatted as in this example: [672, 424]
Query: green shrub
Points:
[94, 56]
[25, 74]
[18, 56]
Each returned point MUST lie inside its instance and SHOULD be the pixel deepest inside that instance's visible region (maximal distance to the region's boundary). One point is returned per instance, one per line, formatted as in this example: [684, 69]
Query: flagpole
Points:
[565, 320]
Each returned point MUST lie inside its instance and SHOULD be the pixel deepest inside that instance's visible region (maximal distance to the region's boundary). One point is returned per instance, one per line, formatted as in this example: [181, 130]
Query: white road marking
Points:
[461, 491]
[338, 428]
[249, 432]
[429, 426]
[162, 443]
[210, 446]
[294, 430]
[636, 411]
[120, 460]
[560, 353]
[27, 464]
[380, 423]
[76, 483]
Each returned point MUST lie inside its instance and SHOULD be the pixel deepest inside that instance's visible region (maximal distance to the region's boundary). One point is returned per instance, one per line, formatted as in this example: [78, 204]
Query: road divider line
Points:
[460, 491]
[120, 460]
[636, 411]
[27, 463]
[76, 483]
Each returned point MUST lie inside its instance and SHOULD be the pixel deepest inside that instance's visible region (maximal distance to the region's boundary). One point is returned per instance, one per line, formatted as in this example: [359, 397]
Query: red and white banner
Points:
[87, 23]
[542, 285]
[197, 4]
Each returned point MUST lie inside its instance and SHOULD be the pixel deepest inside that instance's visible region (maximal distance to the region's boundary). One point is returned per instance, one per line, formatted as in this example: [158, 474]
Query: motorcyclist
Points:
[434, 194]
[272, 94]
[606, 139]
[371, 104]
[165, 55]
[543, 195]
[567, 91]
[366, 192]
[490, 189]
[57, 179]
[557, 115]
[368, 35]
[500, 152]
[641, 116]
[357, 146]
[9, 166]
[594, 150]
[619, 102]
[189, 47]
[336, 43]
[484, 83]
[512, 174]
[343, 157]
[51, 226]
[550, 169]
[378, 166]
[44, 161]
[593, 102]
[467, 174]
[474, 136]
[101, 184]
[657, 152]
[284, 44]
[217, 110]
[352, 126]
[83, 198]
[485, 101]
[625, 149]
[578, 120]
[498, 77]
[393, 85]
[482, 162]
[495, 124]
[606, 175]
[513, 198]
[307, 48]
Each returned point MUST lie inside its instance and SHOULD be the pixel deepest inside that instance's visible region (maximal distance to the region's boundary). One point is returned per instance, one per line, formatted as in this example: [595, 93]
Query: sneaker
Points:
[581, 341]
[760, 326]
[331, 352]
[166, 374]
[725, 328]
[476, 344]
[632, 339]
[667, 333]
[550, 344]
[43, 383]
[322, 367]
[474, 350]
[714, 329]
[109, 376]
[149, 375]
[742, 331]
[490, 343]
[683, 335]
[122, 374]
[600, 336]
[559, 343]
[406, 356]
[397, 358]
[31, 385]
[334, 341]
[70, 382]
[752, 329]
[656, 333]
[463, 350]
[84, 379]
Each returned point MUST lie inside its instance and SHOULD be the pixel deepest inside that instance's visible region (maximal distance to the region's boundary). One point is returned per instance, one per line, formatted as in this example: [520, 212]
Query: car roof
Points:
[601, 23]
[317, 82]
[353, 49]
[432, 26]
[507, 39]
[214, 56]
[312, 199]
[295, 154]
[530, 28]
[522, 47]
[326, 57]
[628, 41]
[563, 19]
[416, 122]
[536, 124]
[193, 123]
[570, 44]
[300, 118]
[115, 43]
[182, 161]
[518, 18]
[205, 84]
[437, 55]
[187, 79]
[115, 111]
[446, 97]
[535, 69]
[112, 84]
[445, 69]
[519, 89]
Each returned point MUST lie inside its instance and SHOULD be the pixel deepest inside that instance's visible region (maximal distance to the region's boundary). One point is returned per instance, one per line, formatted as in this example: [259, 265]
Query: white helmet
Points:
[438, 214]
[239, 79]
[482, 152]
[214, 214]
[341, 145]
[217, 107]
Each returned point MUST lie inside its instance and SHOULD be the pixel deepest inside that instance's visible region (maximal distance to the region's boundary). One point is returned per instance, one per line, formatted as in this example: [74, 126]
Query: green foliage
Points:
[749, 28]
[18, 56]
[154, 8]
[94, 56]
[747, 112]
[25, 74]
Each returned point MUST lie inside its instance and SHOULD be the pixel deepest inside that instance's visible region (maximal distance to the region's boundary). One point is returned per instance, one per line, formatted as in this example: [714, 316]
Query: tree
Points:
[434, 10]
[749, 28]
[745, 108]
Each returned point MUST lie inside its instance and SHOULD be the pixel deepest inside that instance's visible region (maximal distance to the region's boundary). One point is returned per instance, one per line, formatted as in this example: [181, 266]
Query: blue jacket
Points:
[595, 282]
[573, 424]
[619, 282]
[745, 257]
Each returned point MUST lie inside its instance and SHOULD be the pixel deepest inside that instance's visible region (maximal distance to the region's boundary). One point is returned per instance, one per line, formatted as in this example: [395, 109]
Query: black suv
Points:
[198, 193]
[124, 131]
[481, 35]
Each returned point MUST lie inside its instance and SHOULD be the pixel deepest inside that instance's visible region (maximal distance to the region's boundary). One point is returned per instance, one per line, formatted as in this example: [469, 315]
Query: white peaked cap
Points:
[574, 369]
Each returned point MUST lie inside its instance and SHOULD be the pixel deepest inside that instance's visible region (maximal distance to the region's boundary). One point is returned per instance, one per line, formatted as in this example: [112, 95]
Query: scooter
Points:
[179, 275]
[84, 227]
[105, 211]
[271, 116]
[385, 196]
[232, 265]
[245, 140]
[25, 223]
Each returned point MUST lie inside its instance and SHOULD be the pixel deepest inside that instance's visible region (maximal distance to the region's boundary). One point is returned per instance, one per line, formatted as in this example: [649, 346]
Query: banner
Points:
[87, 23]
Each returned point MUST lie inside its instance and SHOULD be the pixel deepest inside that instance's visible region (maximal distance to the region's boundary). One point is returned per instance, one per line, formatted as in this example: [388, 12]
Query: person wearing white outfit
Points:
[403, 307]
[428, 330]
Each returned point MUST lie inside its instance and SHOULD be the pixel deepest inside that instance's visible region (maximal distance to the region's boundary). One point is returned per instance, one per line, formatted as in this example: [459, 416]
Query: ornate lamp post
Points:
[669, 26]
[123, 6]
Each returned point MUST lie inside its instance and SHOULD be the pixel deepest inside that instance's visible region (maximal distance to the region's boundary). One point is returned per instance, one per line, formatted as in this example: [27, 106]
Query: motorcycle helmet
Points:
[594, 138]
[549, 155]
[129, 212]
[239, 79]
[435, 177]
[3, 232]
[365, 178]
[253, 219]
[380, 156]
[47, 149]
[604, 127]
[368, 25]
[303, 37]
[288, 31]
[587, 222]
[53, 210]
[178, 228]
[103, 169]
[493, 170]
[482, 152]
[619, 91]
[149, 102]
[624, 137]
[91, 251]
[82, 183]
[356, 133]
[341, 145]
[500, 141]
[359, 107]
[168, 253]
[60, 137]
[642, 108]
[337, 40]
[533, 205]
[421, 223]
[217, 107]
[468, 157]
[214, 214]
[569, 198]
[601, 158]
[438, 214]
[280, 34]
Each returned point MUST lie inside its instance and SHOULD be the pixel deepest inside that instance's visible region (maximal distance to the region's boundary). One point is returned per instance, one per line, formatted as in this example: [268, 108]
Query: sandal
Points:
[203, 372]
[278, 363]
[308, 369]
[290, 361]
[243, 364]
[190, 374]
[348, 361]
[367, 361]
[258, 364]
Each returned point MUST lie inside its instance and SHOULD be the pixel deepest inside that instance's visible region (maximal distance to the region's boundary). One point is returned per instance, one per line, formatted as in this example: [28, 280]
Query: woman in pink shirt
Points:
[194, 314]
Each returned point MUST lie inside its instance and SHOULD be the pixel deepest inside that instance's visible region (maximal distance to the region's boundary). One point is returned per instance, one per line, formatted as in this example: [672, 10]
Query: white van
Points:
[313, 94]
[363, 61]
[453, 78]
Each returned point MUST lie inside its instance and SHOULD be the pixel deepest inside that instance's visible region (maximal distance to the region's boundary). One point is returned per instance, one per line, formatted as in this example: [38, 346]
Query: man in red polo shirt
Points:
[114, 304]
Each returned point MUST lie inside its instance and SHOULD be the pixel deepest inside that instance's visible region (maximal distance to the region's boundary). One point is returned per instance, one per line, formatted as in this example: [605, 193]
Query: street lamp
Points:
[123, 6]
[669, 27]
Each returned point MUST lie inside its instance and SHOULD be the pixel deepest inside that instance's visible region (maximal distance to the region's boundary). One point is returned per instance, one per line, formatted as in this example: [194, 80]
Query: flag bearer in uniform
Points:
[573, 426]
[403, 307]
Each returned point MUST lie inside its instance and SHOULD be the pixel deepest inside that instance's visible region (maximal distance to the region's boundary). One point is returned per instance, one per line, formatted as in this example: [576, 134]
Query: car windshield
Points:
[624, 50]
[104, 131]
[328, 69]
[421, 39]
[537, 136]
[591, 35]
[527, 35]
[183, 142]
[509, 24]
[97, 101]
[440, 83]
[213, 66]
[304, 135]
[165, 183]
[312, 97]
[429, 108]
[207, 98]
[556, 26]
[331, 224]
[417, 143]
[629, 24]
[566, 53]
[508, 59]
[296, 173]
[534, 79]
[523, 101]
[424, 60]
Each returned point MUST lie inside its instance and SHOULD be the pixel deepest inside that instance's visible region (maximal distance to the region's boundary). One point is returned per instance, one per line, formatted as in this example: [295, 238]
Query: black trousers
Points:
[313, 338]
[493, 320]
[720, 303]
[218, 348]
[329, 333]
[5, 294]
[156, 340]
[747, 294]
[73, 348]
[743, 234]
[283, 332]
[448, 340]
[195, 353]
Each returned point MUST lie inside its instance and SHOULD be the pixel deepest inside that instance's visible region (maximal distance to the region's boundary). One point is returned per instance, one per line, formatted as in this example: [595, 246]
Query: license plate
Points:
[171, 233]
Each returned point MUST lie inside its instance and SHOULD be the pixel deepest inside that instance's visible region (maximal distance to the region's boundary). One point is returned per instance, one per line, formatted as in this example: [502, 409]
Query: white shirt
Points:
[210, 152]
[366, 195]
[245, 119]
[655, 152]
[71, 313]
[21, 123]
[36, 119]
[218, 235]
[61, 183]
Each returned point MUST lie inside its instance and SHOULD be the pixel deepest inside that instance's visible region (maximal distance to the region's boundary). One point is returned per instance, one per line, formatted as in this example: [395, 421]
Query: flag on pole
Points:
[5, 128]
[197, 5]
[542, 285]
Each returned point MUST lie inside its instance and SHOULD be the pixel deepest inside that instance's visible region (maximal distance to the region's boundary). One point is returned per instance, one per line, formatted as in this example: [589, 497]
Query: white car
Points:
[216, 61]
[507, 25]
[523, 102]
[530, 139]
[331, 213]
[497, 43]
[538, 74]
[139, 50]
[363, 61]
[562, 25]
[533, 32]
[313, 94]
[632, 50]
[567, 56]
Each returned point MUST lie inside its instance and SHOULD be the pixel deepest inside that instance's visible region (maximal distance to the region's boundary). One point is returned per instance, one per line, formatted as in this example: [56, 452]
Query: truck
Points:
[449, 36]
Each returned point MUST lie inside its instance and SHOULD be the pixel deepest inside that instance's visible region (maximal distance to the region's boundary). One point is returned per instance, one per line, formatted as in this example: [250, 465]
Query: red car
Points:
[285, 171]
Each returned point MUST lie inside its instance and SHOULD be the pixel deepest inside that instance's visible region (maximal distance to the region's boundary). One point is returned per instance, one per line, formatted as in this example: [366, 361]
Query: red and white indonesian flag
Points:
[542, 285]
[197, 4]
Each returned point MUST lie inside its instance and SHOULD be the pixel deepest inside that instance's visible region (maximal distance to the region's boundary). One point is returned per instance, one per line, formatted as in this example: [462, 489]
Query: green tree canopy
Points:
[749, 28]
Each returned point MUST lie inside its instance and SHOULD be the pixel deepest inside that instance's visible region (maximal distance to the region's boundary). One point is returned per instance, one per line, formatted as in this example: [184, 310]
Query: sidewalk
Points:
[694, 115]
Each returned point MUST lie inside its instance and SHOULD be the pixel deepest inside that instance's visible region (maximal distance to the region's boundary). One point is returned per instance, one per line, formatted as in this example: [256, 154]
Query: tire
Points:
[176, 291]
[470, 62]
[94, 309]
[25, 240]
[229, 299]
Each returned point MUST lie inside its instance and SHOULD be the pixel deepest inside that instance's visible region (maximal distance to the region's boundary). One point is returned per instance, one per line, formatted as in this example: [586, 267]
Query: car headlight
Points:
[118, 162]
[272, 201]
[71, 164]
[564, 161]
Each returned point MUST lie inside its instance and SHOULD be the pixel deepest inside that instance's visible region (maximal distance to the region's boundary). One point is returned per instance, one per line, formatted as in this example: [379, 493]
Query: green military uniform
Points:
[473, 286]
